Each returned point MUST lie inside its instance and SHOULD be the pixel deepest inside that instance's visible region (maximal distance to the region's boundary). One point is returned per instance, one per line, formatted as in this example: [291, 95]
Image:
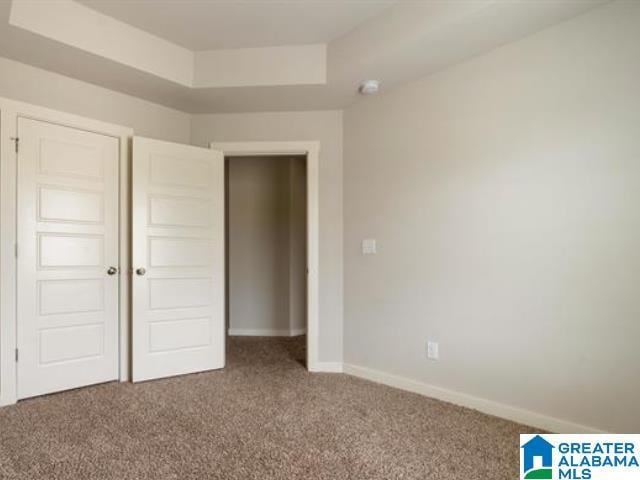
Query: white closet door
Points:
[178, 259]
[67, 242]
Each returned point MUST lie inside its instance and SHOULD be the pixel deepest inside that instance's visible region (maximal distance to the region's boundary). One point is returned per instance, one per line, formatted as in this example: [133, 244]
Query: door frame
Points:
[311, 149]
[10, 111]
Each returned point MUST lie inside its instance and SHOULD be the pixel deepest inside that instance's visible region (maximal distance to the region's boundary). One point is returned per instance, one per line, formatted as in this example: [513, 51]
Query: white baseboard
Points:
[296, 332]
[328, 367]
[257, 332]
[490, 407]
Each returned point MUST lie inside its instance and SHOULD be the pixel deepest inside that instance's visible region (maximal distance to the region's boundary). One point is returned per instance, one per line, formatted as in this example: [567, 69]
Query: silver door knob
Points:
[112, 271]
[141, 271]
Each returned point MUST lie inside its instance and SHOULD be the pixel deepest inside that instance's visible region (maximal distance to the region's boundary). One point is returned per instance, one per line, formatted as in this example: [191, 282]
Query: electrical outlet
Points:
[433, 351]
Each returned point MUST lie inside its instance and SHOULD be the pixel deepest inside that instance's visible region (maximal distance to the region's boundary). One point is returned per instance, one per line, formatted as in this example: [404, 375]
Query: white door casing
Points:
[177, 258]
[312, 151]
[67, 232]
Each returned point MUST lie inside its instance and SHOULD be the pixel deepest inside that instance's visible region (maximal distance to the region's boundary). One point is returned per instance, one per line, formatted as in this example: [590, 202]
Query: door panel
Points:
[178, 212]
[71, 296]
[178, 239]
[67, 238]
[59, 251]
[69, 205]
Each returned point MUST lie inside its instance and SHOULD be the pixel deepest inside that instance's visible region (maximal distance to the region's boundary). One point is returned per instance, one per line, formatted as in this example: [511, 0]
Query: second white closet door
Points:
[178, 259]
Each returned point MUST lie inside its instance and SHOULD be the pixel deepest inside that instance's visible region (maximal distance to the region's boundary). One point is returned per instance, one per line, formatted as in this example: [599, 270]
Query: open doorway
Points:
[266, 257]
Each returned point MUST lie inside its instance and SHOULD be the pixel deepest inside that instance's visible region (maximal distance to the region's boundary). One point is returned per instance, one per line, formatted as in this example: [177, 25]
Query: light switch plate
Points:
[369, 246]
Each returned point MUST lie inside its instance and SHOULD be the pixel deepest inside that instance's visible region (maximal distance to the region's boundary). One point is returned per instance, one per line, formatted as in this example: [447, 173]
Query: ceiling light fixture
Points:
[369, 87]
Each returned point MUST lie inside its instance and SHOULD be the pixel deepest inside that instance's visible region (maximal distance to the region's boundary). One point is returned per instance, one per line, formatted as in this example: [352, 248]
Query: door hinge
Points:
[16, 354]
[16, 250]
[16, 141]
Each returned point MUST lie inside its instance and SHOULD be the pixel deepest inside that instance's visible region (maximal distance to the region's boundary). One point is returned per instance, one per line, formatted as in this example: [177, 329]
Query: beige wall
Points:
[32, 85]
[326, 127]
[267, 283]
[504, 194]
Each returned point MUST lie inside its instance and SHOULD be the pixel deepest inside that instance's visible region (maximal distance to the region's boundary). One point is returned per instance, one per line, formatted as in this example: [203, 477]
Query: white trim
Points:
[10, 110]
[490, 407]
[296, 332]
[312, 150]
[328, 367]
[266, 332]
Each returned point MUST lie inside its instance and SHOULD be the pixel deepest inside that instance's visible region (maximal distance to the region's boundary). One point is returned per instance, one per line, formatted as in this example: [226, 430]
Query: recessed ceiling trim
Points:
[80, 27]
[411, 40]
[202, 25]
[73, 24]
[266, 66]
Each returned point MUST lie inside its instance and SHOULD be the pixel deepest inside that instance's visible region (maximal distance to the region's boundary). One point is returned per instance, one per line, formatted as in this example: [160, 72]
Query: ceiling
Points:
[221, 24]
[392, 41]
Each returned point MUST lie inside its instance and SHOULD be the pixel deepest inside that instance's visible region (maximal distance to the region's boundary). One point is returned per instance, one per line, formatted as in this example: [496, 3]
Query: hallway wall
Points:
[266, 245]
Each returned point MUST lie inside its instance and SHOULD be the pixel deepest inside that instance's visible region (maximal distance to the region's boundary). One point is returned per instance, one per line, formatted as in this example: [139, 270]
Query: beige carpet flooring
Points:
[263, 417]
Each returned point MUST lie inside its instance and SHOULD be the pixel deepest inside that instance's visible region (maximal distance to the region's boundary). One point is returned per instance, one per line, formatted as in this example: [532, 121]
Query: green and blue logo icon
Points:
[580, 456]
[537, 459]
